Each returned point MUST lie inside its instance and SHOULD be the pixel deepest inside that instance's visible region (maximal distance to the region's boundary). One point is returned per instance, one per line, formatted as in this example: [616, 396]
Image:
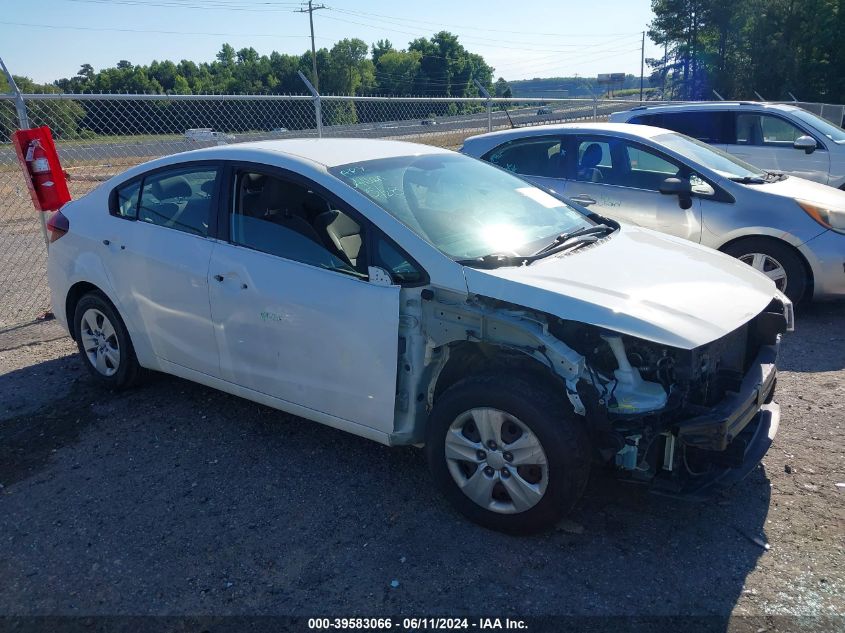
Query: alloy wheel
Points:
[99, 340]
[496, 460]
[769, 266]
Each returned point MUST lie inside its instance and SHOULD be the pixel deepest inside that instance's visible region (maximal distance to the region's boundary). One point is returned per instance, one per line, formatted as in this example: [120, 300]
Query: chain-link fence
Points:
[830, 111]
[98, 136]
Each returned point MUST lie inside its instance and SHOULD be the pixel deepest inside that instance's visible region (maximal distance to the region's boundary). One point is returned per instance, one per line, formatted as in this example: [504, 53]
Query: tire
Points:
[515, 499]
[773, 258]
[104, 343]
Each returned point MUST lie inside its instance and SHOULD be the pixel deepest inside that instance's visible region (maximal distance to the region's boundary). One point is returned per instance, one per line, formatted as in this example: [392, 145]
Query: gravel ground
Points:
[175, 499]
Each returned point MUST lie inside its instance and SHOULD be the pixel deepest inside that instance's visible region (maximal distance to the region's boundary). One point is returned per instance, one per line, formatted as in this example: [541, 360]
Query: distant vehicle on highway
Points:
[200, 134]
[428, 122]
[772, 136]
[544, 110]
[279, 130]
[411, 295]
[788, 228]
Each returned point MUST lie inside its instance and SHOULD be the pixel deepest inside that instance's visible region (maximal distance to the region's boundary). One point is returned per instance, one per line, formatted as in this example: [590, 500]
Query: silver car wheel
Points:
[496, 460]
[99, 340]
[767, 265]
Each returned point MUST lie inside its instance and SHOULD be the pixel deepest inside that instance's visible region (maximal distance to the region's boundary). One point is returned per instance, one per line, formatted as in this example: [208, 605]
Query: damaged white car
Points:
[412, 295]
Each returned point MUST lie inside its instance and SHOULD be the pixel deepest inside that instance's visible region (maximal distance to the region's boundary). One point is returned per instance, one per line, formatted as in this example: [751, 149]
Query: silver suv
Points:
[772, 136]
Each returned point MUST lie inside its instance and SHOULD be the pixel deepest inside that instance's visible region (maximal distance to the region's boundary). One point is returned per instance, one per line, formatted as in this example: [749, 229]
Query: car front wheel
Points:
[775, 260]
[509, 455]
[104, 342]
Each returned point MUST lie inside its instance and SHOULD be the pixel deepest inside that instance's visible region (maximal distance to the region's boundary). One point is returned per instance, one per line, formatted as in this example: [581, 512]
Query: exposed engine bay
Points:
[657, 414]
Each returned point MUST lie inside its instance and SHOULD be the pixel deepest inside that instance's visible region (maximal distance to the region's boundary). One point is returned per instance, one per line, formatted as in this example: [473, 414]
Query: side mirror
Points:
[807, 143]
[680, 187]
[379, 276]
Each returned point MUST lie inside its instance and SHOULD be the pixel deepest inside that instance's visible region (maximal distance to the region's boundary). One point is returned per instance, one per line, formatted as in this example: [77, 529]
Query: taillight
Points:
[57, 225]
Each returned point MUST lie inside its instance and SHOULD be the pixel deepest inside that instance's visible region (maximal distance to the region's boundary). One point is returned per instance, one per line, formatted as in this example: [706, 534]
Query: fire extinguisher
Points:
[42, 175]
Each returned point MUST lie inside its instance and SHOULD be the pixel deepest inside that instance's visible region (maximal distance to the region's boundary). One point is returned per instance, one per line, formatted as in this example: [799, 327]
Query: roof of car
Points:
[629, 129]
[709, 105]
[327, 151]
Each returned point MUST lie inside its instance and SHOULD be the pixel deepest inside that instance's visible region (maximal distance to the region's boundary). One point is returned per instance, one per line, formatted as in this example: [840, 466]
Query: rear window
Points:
[710, 127]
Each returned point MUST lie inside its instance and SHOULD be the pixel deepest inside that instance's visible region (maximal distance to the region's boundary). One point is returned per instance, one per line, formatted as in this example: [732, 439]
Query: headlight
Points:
[828, 218]
[788, 310]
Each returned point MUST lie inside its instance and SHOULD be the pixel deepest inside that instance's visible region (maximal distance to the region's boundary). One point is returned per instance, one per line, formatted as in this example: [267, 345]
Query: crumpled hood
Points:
[794, 187]
[637, 282]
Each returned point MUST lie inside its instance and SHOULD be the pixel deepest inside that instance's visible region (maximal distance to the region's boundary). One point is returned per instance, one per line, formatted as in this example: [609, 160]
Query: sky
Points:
[521, 39]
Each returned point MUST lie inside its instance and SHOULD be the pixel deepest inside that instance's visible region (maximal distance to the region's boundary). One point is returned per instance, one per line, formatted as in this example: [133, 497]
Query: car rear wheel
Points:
[508, 454]
[775, 260]
[104, 342]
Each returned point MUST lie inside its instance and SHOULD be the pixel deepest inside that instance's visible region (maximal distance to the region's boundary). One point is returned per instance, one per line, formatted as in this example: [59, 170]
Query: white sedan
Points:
[412, 295]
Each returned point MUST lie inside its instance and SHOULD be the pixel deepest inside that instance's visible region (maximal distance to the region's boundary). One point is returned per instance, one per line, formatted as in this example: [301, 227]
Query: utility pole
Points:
[642, 67]
[310, 11]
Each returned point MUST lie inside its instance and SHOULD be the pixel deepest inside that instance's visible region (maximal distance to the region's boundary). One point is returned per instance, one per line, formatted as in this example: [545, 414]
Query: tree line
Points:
[436, 66]
[739, 47]
[439, 66]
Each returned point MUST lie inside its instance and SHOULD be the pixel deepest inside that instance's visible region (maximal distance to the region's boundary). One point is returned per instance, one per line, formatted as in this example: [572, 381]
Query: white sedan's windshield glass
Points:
[464, 207]
[708, 156]
[831, 131]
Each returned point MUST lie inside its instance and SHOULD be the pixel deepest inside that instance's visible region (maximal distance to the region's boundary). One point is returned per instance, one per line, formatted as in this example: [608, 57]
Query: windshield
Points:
[464, 207]
[708, 156]
[831, 131]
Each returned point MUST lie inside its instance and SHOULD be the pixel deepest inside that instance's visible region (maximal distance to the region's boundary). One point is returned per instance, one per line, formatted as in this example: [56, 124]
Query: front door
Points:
[295, 314]
[766, 141]
[158, 256]
[621, 179]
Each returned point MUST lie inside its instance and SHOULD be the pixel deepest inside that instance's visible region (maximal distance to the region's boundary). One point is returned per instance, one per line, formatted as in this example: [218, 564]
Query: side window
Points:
[616, 162]
[710, 127]
[397, 263]
[286, 219]
[642, 160]
[647, 119]
[764, 129]
[595, 162]
[777, 131]
[179, 199]
[539, 156]
[647, 170]
[126, 201]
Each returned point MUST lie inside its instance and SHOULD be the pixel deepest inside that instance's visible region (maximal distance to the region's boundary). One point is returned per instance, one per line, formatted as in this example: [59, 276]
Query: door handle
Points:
[219, 277]
[583, 200]
[106, 242]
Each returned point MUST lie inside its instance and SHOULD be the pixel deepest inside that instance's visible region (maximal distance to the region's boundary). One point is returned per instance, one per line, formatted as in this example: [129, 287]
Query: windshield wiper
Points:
[493, 260]
[562, 242]
[749, 180]
[565, 237]
[775, 176]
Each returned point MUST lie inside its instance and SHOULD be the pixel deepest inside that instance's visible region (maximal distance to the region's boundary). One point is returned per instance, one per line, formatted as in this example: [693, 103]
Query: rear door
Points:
[539, 159]
[158, 254]
[296, 315]
[621, 179]
[766, 141]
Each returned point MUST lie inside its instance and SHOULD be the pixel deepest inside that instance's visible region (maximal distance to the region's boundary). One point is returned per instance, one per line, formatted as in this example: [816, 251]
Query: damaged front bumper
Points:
[709, 452]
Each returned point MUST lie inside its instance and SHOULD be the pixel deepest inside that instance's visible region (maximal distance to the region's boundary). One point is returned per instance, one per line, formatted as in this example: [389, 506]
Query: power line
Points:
[391, 22]
[476, 28]
[195, 4]
[123, 30]
[416, 34]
